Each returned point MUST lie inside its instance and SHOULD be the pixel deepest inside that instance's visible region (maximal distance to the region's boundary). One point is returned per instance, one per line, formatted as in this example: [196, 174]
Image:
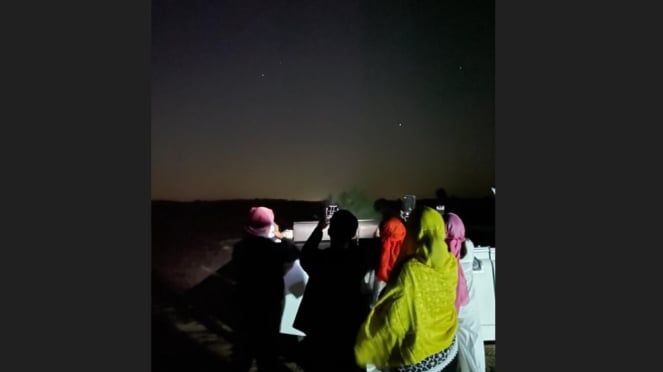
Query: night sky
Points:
[302, 99]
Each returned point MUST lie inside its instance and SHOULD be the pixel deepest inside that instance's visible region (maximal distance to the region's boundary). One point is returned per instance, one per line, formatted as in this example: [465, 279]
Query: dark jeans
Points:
[261, 346]
[326, 354]
[257, 337]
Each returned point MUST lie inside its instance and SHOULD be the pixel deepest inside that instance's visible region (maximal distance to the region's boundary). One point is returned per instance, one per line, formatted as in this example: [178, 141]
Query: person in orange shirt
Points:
[392, 235]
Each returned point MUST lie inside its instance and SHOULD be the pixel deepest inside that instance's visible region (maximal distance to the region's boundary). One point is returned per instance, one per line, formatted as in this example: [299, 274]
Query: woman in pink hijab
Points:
[455, 239]
[471, 353]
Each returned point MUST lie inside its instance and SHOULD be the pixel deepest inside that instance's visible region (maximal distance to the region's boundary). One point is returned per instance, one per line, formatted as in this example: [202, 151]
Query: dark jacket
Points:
[334, 305]
[260, 264]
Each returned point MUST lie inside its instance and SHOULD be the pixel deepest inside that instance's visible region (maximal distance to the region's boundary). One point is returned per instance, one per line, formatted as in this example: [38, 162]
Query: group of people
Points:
[418, 316]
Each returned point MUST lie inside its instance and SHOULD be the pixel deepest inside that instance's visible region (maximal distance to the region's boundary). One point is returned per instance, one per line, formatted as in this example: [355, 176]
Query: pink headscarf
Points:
[455, 238]
[260, 222]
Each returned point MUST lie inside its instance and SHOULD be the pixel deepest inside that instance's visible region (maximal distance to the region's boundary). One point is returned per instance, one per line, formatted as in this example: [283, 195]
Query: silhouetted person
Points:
[441, 195]
[261, 263]
[442, 200]
[334, 304]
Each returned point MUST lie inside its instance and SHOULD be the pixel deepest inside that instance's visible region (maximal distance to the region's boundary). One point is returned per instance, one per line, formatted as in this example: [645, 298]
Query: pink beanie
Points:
[260, 221]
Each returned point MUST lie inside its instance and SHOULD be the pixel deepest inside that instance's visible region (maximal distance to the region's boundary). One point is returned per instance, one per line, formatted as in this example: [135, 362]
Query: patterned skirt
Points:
[434, 363]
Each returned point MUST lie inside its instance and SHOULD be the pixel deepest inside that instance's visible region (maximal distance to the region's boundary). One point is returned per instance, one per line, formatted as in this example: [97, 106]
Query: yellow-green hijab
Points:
[415, 316]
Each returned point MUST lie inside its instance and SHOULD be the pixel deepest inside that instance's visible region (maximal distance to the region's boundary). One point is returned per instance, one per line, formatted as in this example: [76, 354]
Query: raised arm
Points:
[310, 252]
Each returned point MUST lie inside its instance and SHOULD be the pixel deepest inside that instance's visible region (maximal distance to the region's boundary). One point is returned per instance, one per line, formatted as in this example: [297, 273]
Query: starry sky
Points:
[301, 99]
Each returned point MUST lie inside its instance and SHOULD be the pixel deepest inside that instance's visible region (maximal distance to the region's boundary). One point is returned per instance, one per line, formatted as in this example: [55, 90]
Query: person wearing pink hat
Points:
[471, 353]
[261, 259]
[261, 223]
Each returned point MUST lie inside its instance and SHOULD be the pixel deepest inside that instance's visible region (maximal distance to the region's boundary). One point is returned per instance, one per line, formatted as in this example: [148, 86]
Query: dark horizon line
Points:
[298, 200]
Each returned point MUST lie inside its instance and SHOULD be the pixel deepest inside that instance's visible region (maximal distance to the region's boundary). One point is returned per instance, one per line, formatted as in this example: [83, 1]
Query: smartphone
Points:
[330, 210]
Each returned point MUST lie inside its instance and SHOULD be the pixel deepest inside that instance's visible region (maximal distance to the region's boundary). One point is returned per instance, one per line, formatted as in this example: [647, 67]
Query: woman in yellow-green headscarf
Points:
[412, 327]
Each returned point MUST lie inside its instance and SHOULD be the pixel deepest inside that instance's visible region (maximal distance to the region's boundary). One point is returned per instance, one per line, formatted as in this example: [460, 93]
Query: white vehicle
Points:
[484, 284]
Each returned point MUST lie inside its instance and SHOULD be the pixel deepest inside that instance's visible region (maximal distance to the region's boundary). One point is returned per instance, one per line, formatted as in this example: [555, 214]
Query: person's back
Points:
[333, 305]
[392, 235]
[413, 325]
[471, 353]
[260, 264]
[260, 269]
[334, 290]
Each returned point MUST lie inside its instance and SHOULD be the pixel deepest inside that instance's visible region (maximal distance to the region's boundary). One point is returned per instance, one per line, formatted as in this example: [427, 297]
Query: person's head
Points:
[455, 235]
[425, 238]
[342, 226]
[393, 229]
[260, 222]
[441, 195]
[392, 236]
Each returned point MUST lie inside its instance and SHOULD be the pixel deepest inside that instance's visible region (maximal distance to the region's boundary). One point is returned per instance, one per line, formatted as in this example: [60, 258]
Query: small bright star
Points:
[262, 75]
[400, 124]
[460, 67]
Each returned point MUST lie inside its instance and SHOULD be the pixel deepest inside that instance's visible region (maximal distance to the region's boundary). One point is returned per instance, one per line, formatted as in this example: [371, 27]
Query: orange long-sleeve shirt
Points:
[392, 235]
